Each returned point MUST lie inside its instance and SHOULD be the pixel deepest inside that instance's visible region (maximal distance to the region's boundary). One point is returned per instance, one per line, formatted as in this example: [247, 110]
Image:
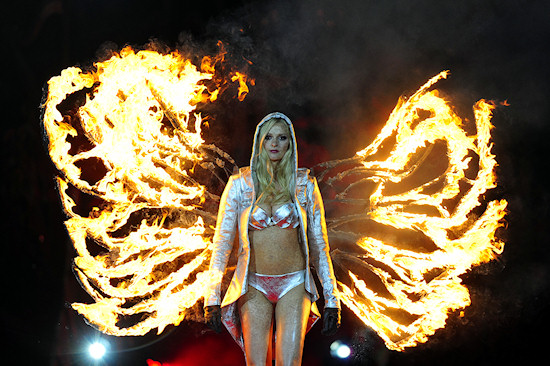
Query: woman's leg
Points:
[291, 314]
[256, 321]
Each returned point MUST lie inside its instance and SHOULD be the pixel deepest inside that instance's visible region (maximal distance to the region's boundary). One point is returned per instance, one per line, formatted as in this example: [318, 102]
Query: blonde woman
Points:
[277, 212]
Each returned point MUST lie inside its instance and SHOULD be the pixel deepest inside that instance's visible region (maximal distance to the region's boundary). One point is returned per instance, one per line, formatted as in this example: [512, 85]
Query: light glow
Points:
[97, 350]
[339, 349]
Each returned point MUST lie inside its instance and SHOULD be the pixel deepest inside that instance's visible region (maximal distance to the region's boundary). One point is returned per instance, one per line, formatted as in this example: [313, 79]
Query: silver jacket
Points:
[233, 216]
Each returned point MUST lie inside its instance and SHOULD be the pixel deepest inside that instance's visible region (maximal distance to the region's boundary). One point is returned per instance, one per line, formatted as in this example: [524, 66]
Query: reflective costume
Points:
[234, 216]
[284, 217]
[276, 286]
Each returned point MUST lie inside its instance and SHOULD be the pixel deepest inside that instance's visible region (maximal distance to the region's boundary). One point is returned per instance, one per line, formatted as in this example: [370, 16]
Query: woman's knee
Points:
[292, 312]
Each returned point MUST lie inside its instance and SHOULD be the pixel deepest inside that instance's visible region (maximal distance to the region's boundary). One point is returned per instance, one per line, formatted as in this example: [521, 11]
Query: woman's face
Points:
[276, 142]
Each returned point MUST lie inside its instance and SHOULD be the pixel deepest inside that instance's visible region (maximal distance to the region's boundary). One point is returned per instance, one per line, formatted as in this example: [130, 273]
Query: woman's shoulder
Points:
[243, 173]
[242, 177]
[304, 176]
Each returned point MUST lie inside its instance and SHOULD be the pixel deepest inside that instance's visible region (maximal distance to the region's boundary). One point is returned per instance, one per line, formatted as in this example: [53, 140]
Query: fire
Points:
[126, 137]
[126, 133]
[421, 229]
[243, 87]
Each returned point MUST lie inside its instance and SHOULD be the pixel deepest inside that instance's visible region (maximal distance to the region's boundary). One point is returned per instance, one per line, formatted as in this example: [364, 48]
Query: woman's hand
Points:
[331, 321]
[213, 317]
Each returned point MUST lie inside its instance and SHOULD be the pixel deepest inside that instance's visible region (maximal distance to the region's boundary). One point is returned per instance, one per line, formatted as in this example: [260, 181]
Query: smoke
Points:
[346, 63]
[338, 68]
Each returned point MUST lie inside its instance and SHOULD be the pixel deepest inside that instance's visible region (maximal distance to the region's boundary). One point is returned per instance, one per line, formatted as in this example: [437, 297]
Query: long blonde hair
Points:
[275, 184]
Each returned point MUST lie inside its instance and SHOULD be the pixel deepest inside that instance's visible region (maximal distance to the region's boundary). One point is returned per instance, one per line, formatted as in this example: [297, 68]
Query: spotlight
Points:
[339, 349]
[97, 350]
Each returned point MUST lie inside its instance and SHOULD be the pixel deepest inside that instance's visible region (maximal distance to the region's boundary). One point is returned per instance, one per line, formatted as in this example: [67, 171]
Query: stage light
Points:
[97, 350]
[339, 349]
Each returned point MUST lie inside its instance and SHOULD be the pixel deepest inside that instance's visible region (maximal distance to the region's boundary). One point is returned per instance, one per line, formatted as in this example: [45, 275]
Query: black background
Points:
[337, 69]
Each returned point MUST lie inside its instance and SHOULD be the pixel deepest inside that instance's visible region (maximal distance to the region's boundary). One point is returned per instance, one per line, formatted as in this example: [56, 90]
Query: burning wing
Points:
[139, 185]
[141, 189]
[405, 218]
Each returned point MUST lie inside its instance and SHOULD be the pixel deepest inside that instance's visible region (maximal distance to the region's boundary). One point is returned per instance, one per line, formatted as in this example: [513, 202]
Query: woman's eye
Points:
[268, 137]
[282, 138]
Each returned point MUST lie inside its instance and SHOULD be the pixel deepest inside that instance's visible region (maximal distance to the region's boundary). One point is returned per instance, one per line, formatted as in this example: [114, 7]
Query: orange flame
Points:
[136, 126]
[134, 119]
[243, 87]
[424, 233]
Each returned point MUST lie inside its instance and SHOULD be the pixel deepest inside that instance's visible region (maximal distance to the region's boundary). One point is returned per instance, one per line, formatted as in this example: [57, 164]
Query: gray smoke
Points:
[345, 63]
[338, 68]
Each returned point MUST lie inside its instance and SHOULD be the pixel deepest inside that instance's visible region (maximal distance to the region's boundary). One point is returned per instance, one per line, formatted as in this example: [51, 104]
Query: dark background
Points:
[337, 69]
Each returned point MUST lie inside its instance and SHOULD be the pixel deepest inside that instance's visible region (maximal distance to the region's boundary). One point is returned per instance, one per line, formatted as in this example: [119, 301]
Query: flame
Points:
[127, 134]
[243, 87]
[412, 288]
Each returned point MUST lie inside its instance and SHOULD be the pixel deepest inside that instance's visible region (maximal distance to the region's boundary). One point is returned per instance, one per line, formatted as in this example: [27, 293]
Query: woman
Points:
[278, 212]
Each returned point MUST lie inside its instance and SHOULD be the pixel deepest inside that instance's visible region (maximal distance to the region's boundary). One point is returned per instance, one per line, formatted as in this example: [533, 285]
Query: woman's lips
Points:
[273, 151]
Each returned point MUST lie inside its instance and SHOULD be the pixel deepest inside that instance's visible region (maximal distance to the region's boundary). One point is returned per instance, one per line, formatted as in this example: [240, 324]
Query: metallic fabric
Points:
[234, 218]
[284, 217]
[276, 286]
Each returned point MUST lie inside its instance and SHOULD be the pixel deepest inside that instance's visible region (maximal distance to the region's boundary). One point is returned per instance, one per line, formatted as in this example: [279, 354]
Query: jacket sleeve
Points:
[224, 235]
[318, 243]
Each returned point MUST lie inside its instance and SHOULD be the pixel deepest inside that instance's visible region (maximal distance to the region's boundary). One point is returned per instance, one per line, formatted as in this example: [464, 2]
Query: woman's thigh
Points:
[256, 314]
[291, 314]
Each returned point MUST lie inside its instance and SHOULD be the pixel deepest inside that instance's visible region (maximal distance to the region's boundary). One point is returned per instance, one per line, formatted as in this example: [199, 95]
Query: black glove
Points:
[213, 317]
[331, 321]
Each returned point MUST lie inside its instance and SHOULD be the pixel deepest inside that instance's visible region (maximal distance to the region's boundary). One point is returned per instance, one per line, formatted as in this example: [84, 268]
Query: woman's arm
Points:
[318, 243]
[223, 239]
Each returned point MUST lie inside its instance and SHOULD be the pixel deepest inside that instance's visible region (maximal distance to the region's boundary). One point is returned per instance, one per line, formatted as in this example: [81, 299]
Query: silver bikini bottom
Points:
[276, 286]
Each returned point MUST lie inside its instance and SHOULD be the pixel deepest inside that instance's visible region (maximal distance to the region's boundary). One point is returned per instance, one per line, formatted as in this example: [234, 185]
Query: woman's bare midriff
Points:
[275, 251]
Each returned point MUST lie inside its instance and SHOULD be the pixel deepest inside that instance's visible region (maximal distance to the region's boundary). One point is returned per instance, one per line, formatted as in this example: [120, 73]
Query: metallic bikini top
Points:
[285, 217]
